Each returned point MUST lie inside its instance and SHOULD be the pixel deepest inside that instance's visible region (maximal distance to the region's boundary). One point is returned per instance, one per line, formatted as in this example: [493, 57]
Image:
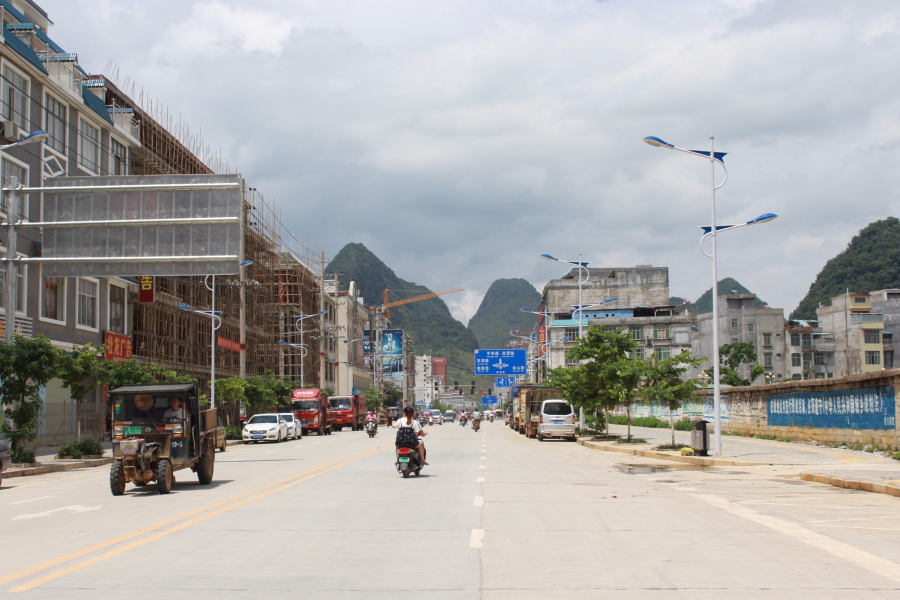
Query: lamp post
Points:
[12, 218]
[348, 363]
[580, 309]
[580, 265]
[216, 324]
[713, 157]
[299, 325]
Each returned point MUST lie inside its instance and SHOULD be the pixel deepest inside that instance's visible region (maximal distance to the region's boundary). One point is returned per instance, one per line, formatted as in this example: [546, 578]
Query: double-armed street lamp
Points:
[299, 325]
[714, 158]
[348, 363]
[582, 266]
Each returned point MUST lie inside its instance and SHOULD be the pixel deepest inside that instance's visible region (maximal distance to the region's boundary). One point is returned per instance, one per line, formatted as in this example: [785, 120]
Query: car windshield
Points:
[147, 408]
[448, 415]
[288, 417]
[305, 405]
[557, 409]
[340, 403]
[257, 419]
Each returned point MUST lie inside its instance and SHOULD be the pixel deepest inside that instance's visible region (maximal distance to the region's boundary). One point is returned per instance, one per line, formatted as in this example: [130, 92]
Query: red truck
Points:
[310, 406]
[347, 411]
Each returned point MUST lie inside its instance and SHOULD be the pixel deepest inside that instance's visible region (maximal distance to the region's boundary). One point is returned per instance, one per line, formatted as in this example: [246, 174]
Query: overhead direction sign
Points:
[488, 400]
[504, 382]
[500, 362]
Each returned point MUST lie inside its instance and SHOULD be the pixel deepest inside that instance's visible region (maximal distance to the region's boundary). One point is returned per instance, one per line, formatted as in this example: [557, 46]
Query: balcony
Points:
[124, 119]
[63, 68]
[866, 318]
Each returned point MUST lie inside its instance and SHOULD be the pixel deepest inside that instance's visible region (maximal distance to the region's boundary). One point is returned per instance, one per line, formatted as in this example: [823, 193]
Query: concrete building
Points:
[351, 321]
[643, 285]
[857, 331]
[809, 351]
[428, 383]
[887, 303]
[741, 320]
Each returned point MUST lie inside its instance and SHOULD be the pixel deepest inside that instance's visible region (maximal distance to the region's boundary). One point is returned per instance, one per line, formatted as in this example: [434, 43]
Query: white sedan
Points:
[269, 427]
[438, 417]
[293, 425]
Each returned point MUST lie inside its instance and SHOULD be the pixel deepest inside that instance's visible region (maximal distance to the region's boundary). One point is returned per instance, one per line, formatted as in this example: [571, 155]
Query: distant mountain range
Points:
[499, 312]
[870, 262]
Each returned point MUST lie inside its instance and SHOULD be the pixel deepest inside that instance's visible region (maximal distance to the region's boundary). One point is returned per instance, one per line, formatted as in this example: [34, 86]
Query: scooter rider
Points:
[476, 419]
[371, 416]
[407, 440]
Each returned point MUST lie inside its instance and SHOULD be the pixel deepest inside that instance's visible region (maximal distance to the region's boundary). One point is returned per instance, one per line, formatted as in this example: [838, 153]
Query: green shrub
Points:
[638, 421]
[69, 450]
[91, 447]
[895, 455]
[232, 432]
[22, 455]
[684, 424]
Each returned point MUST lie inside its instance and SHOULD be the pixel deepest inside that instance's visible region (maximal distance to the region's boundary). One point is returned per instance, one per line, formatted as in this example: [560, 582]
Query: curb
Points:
[853, 484]
[96, 462]
[694, 460]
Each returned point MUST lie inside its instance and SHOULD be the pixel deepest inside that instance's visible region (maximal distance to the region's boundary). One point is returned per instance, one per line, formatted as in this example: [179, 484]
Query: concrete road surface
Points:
[495, 516]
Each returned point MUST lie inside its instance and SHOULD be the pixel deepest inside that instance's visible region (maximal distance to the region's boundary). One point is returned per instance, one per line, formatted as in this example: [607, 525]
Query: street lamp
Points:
[12, 219]
[299, 325]
[713, 157]
[216, 324]
[348, 363]
[580, 309]
[580, 265]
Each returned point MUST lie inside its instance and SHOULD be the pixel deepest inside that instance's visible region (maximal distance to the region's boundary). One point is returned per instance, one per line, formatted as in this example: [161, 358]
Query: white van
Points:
[557, 419]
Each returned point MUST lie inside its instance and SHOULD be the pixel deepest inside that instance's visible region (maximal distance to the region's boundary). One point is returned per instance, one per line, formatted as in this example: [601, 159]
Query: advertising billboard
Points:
[392, 354]
[500, 362]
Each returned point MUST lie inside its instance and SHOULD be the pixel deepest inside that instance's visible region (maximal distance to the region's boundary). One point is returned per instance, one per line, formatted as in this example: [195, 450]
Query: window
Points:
[11, 169]
[53, 301]
[767, 339]
[796, 377]
[751, 327]
[795, 339]
[571, 333]
[860, 300]
[56, 124]
[639, 353]
[117, 309]
[873, 357]
[873, 336]
[89, 154]
[888, 359]
[734, 323]
[795, 359]
[636, 331]
[807, 340]
[767, 359]
[661, 332]
[119, 155]
[664, 352]
[735, 340]
[807, 361]
[819, 359]
[15, 98]
[87, 303]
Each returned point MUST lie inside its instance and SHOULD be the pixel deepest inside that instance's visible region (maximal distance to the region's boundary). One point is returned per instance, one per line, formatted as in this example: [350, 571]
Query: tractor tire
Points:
[164, 477]
[117, 478]
[206, 465]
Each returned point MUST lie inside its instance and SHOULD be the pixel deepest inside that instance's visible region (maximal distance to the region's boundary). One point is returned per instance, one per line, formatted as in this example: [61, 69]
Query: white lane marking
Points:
[30, 500]
[477, 539]
[479, 500]
[858, 527]
[871, 562]
[272, 452]
[479, 480]
[480, 466]
[74, 508]
[854, 519]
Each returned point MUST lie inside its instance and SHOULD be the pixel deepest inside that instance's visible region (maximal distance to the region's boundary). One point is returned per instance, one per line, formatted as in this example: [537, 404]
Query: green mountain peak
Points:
[499, 312]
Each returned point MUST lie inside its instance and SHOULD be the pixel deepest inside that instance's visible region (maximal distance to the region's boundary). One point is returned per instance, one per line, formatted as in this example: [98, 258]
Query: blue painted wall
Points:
[858, 408]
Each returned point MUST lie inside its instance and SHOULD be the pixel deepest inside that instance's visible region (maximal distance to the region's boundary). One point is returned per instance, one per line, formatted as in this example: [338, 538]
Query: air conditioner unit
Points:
[9, 131]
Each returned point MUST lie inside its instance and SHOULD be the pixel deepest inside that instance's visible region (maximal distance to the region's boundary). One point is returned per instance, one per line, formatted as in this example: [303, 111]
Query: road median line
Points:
[123, 538]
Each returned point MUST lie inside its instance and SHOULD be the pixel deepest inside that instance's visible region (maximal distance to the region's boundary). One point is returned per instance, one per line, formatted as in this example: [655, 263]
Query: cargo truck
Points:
[347, 411]
[517, 399]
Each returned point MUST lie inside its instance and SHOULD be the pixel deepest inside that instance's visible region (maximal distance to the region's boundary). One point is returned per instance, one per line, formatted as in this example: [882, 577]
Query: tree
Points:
[231, 390]
[127, 372]
[81, 371]
[374, 401]
[732, 356]
[391, 394]
[665, 386]
[26, 366]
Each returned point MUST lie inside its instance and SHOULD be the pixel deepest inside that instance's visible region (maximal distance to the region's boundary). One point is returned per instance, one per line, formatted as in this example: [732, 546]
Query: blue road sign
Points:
[489, 400]
[500, 362]
[504, 382]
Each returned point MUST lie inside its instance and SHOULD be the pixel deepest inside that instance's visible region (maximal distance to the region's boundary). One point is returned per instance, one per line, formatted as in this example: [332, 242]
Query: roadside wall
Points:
[856, 409]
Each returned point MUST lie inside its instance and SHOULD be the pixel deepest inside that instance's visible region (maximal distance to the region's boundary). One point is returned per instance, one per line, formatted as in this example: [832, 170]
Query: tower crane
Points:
[386, 307]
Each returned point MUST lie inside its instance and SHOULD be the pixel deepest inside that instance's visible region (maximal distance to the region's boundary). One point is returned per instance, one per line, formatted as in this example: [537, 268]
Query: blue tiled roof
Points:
[22, 48]
[96, 104]
[9, 8]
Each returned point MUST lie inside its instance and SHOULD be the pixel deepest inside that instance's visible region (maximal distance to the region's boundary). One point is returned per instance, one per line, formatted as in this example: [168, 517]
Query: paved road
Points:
[496, 516]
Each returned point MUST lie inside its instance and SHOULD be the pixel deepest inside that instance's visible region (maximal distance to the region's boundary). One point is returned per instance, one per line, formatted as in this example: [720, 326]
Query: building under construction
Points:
[281, 283]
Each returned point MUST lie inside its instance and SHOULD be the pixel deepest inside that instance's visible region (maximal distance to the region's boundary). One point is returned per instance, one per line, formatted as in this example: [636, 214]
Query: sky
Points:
[460, 140]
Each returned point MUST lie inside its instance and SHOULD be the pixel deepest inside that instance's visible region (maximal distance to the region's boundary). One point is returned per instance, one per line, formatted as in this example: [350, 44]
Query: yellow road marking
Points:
[134, 534]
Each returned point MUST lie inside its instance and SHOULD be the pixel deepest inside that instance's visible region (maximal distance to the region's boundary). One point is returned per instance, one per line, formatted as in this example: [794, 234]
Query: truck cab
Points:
[347, 411]
[310, 407]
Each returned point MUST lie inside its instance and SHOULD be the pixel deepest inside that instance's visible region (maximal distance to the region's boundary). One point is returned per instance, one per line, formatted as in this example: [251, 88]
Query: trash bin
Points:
[700, 438]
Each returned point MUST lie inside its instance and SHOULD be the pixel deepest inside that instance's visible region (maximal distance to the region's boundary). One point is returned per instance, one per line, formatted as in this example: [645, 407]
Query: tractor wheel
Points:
[206, 465]
[117, 478]
[164, 477]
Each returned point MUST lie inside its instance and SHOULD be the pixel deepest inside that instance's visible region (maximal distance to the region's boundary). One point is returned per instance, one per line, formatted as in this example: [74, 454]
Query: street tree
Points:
[732, 356]
[665, 386]
[127, 372]
[373, 399]
[81, 371]
[26, 366]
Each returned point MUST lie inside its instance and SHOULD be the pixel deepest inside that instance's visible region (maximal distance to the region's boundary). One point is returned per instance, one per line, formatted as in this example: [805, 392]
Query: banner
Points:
[118, 347]
[147, 289]
[229, 344]
[367, 342]
[392, 354]
[542, 337]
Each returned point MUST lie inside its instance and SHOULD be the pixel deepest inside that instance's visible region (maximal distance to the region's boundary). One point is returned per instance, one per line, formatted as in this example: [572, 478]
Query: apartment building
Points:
[857, 331]
[352, 374]
[430, 377]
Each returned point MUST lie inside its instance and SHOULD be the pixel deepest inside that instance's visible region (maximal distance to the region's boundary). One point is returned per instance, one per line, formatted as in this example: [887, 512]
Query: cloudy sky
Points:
[459, 140]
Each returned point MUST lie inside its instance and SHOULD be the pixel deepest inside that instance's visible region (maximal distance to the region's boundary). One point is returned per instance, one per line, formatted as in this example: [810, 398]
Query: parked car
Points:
[5, 458]
[268, 427]
[293, 424]
[221, 437]
[557, 419]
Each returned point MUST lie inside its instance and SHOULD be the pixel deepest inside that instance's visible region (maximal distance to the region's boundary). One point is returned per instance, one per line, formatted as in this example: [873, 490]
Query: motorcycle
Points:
[371, 427]
[408, 461]
[476, 424]
[492, 418]
[462, 420]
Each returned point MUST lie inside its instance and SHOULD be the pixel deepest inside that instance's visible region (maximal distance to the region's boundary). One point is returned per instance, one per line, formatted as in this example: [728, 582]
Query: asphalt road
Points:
[495, 516]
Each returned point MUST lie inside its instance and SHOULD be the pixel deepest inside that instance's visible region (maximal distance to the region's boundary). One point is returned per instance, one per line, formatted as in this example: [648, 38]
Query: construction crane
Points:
[387, 305]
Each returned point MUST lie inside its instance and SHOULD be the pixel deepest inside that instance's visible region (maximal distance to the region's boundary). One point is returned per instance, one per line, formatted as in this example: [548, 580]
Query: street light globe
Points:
[655, 141]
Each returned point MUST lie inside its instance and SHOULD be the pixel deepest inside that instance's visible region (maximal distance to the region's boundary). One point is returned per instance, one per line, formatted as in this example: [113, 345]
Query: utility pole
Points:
[323, 343]
[9, 322]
